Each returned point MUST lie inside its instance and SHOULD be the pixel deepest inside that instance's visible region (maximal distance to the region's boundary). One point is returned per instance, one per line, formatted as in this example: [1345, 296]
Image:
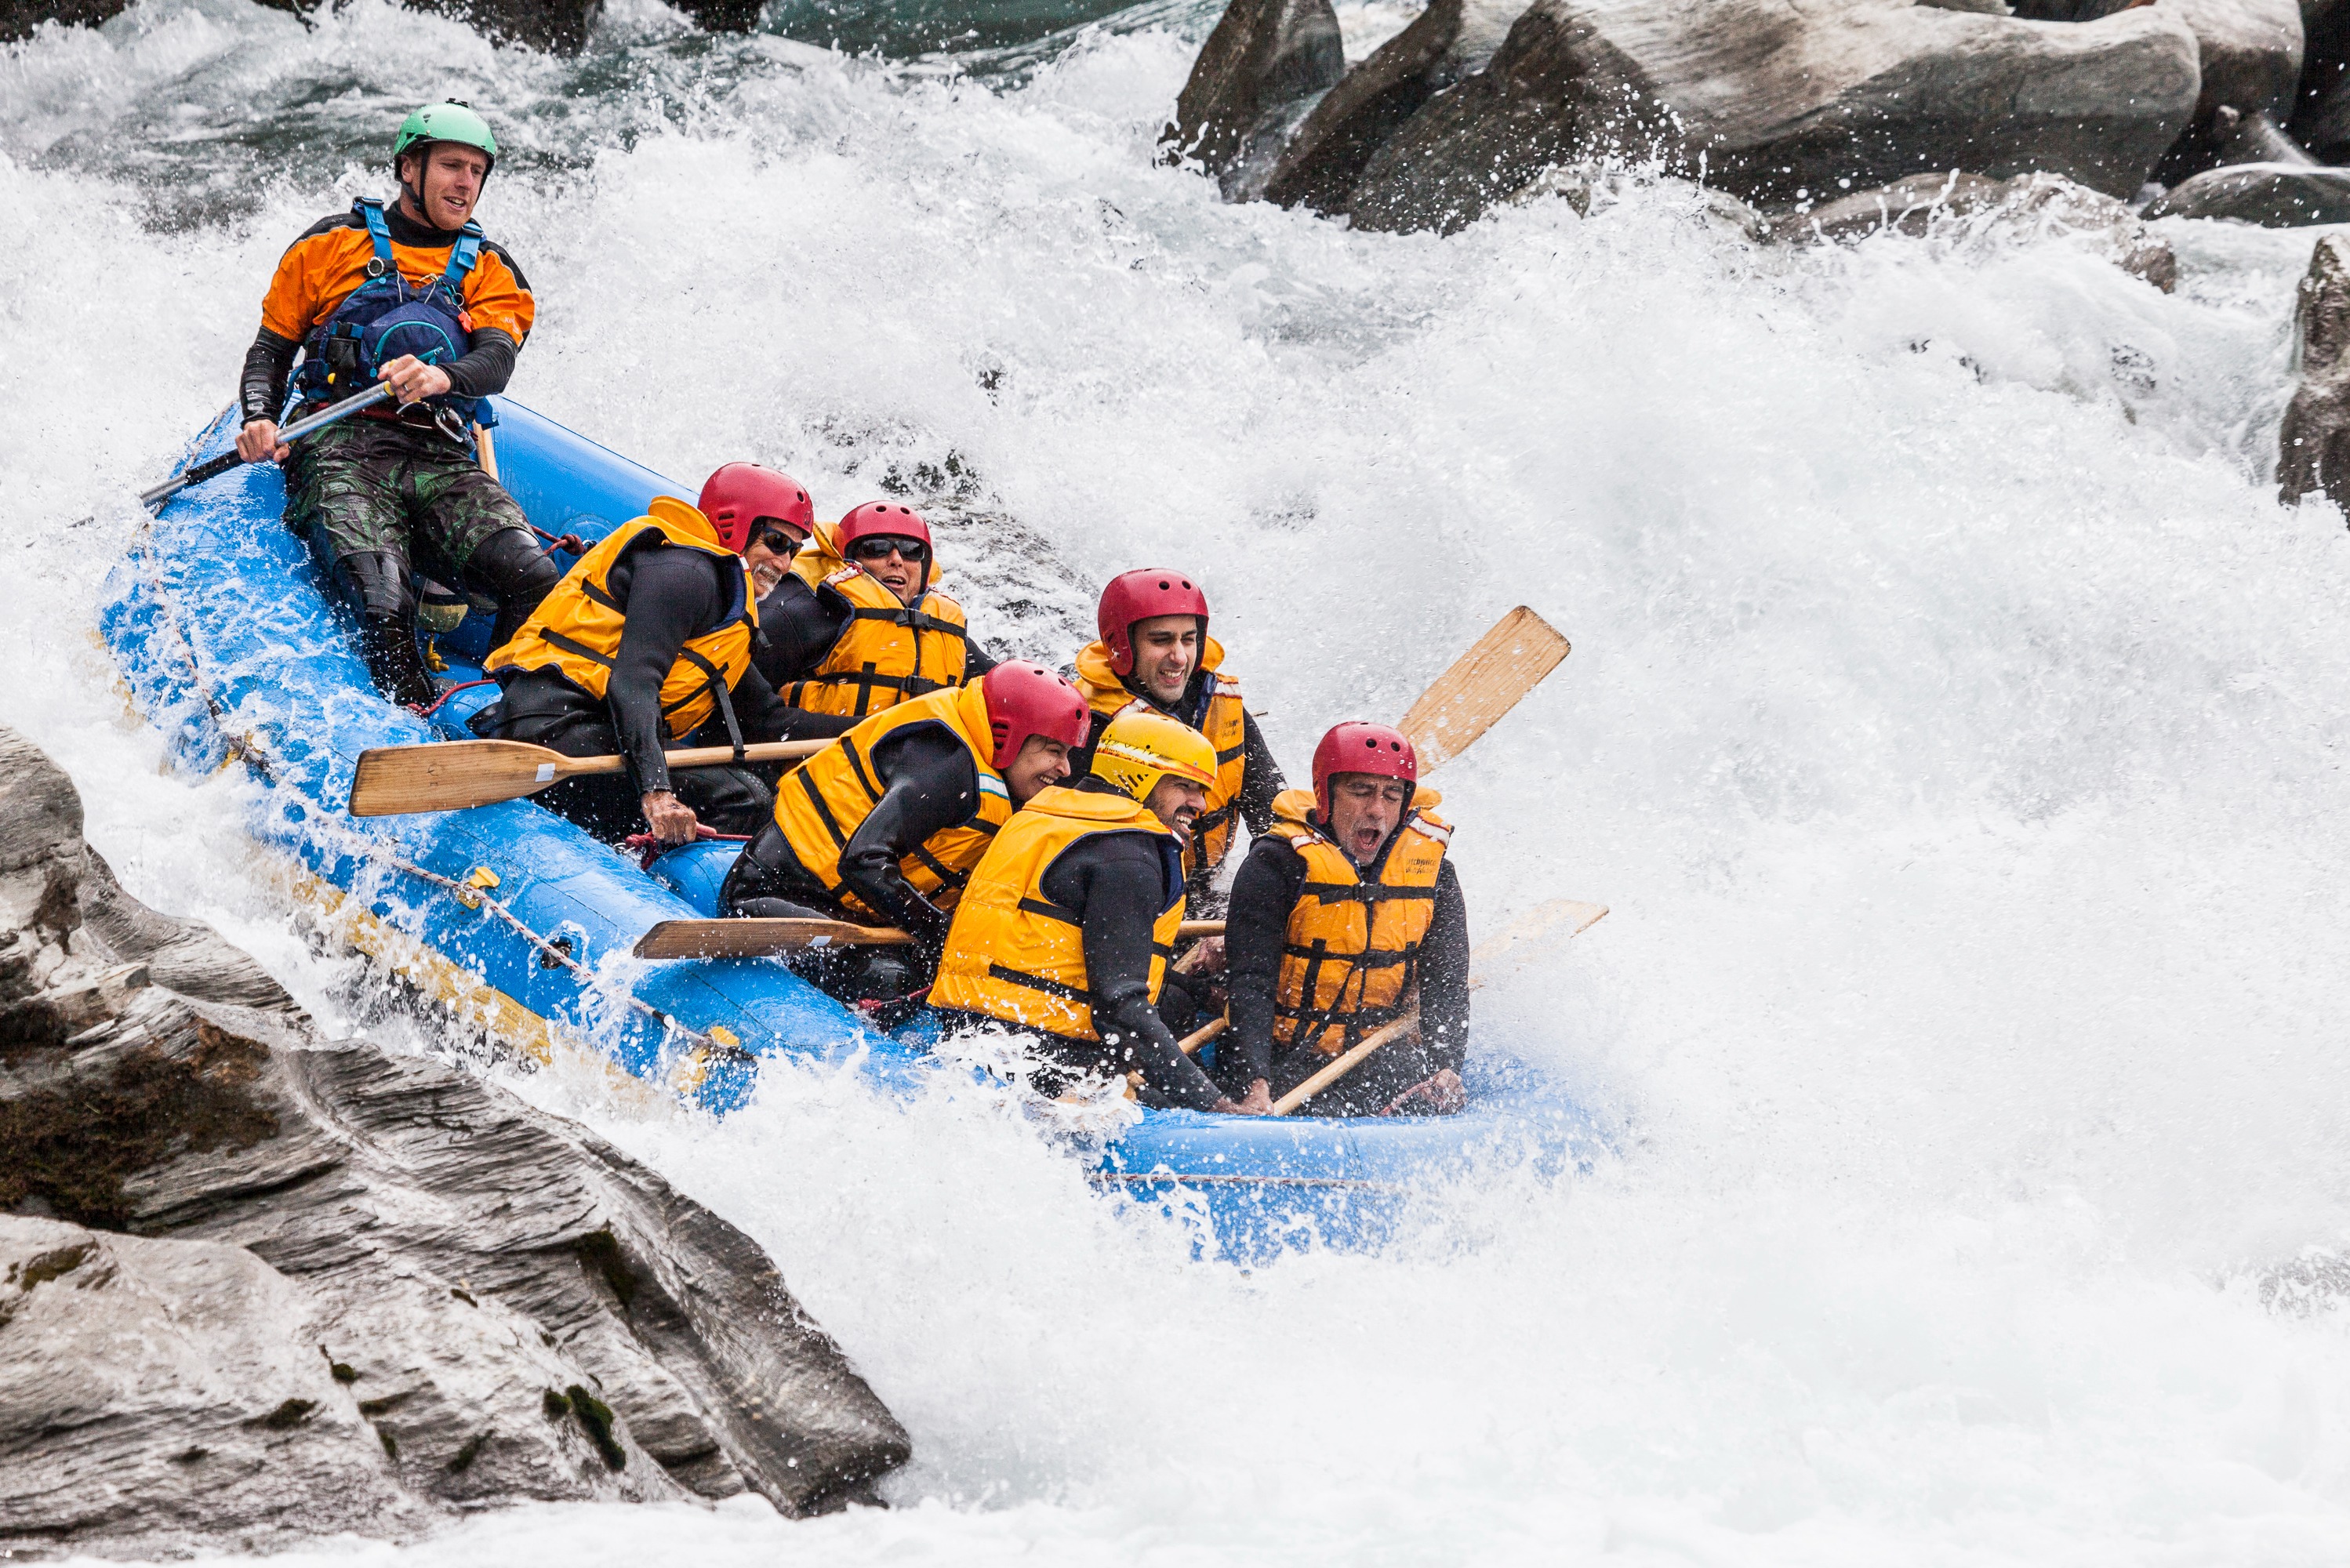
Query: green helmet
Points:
[445, 121]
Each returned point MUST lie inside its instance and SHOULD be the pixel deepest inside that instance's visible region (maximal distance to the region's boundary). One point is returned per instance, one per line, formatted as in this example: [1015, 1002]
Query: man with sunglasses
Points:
[646, 643]
[872, 634]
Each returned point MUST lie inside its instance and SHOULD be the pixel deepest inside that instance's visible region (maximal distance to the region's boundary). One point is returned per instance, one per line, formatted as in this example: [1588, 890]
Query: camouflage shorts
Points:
[371, 485]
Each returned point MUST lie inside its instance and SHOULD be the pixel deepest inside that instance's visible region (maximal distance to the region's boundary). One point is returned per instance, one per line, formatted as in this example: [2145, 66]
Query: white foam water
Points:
[1953, 726]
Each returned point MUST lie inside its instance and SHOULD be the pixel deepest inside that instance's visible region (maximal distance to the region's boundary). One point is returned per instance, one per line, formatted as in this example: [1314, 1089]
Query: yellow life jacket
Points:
[1223, 721]
[576, 627]
[1350, 957]
[820, 556]
[822, 802]
[1012, 953]
[888, 652]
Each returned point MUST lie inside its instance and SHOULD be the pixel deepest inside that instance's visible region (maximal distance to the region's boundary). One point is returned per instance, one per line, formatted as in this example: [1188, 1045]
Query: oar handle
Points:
[693, 757]
[1199, 1037]
[1346, 1063]
[213, 468]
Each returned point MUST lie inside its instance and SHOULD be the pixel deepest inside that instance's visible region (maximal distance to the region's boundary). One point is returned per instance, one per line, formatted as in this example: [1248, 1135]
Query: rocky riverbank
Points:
[257, 1285]
[1783, 105]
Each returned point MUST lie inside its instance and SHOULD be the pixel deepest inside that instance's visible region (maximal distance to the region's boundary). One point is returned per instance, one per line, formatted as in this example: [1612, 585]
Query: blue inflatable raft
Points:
[522, 924]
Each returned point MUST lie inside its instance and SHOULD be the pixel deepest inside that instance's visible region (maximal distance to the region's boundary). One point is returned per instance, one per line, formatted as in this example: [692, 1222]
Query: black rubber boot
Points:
[375, 582]
[512, 568]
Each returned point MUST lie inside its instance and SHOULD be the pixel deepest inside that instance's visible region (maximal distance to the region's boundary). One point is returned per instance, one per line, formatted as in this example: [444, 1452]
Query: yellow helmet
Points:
[1139, 747]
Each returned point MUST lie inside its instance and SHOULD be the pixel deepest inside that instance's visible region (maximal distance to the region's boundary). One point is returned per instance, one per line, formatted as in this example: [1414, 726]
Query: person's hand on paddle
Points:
[259, 439]
[1442, 1089]
[412, 380]
[1257, 1102]
[1205, 956]
[670, 819]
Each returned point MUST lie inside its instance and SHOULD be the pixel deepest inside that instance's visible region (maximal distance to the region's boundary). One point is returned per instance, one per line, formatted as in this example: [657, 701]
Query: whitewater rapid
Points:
[1954, 726]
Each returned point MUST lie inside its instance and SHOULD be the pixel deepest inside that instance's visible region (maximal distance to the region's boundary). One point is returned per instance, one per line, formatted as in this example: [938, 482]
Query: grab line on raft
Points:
[469, 895]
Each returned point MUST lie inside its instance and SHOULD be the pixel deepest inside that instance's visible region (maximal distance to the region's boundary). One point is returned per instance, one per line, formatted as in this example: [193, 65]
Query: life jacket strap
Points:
[371, 211]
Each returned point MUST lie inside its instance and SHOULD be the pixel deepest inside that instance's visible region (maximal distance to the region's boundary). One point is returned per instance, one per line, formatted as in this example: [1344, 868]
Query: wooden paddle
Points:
[1542, 918]
[449, 776]
[1484, 684]
[753, 937]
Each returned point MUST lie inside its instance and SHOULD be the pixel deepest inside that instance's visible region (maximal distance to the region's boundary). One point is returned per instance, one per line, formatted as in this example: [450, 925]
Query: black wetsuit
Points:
[1256, 926]
[379, 499]
[930, 782]
[1119, 882]
[798, 626]
[1260, 777]
[669, 596]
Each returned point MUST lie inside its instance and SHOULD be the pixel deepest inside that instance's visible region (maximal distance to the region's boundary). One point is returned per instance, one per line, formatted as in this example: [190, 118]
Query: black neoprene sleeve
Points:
[1444, 975]
[671, 595]
[487, 366]
[796, 630]
[261, 389]
[928, 783]
[1256, 922]
[1261, 778]
[1120, 881]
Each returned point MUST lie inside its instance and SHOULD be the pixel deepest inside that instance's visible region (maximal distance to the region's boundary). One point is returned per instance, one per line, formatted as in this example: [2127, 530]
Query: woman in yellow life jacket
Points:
[1155, 656]
[871, 632]
[647, 640]
[1069, 923]
[883, 829]
[1342, 918]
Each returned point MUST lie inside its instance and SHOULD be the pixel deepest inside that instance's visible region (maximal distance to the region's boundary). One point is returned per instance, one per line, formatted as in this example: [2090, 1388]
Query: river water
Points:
[1955, 727]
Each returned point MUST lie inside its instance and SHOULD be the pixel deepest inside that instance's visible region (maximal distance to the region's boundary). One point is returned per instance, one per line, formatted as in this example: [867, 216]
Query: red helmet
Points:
[738, 493]
[885, 518]
[1358, 748]
[1138, 596]
[1025, 699]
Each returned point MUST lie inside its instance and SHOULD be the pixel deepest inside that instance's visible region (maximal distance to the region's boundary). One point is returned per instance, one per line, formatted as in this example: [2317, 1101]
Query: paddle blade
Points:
[448, 775]
[758, 939]
[1484, 684]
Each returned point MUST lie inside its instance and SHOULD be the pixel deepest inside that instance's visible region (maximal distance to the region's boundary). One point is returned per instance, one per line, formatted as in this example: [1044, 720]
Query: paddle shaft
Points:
[1346, 1063]
[213, 468]
[696, 757]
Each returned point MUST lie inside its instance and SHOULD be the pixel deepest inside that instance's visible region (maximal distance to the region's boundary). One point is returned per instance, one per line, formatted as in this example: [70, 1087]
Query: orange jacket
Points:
[319, 270]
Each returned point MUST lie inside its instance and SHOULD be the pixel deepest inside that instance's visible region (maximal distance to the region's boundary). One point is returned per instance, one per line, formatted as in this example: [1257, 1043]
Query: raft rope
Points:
[461, 685]
[471, 895]
[569, 543]
[652, 848]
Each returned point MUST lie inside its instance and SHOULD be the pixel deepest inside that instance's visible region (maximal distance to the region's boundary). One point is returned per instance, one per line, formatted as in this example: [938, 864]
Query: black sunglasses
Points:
[881, 547]
[781, 543]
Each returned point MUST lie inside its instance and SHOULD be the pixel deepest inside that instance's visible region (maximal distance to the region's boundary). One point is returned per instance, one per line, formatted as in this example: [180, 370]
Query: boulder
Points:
[2254, 139]
[1451, 40]
[2251, 53]
[1973, 212]
[1775, 101]
[1265, 65]
[2274, 195]
[2313, 446]
[255, 1285]
[2321, 111]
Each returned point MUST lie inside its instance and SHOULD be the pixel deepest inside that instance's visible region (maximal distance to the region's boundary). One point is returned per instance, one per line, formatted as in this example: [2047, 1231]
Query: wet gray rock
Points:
[1452, 39]
[1774, 101]
[2256, 139]
[2251, 53]
[1970, 211]
[2313, 446]
[2272, 195]
[1266, 63]
[257, 1286]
